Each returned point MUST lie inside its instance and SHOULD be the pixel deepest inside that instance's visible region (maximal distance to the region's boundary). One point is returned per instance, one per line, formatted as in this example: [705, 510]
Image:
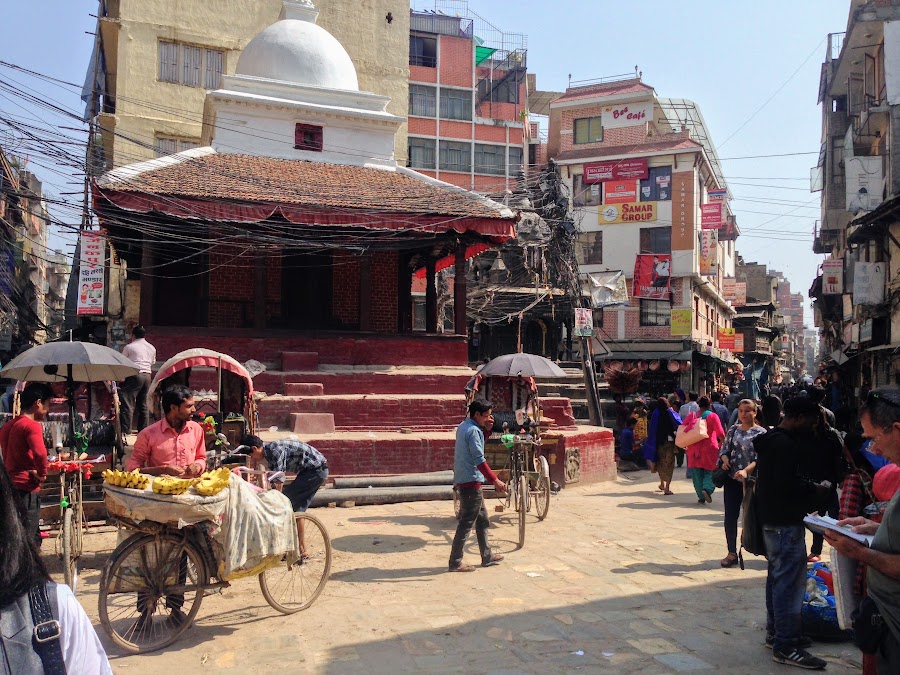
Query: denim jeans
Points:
[785, 583]
[303, 488]
[471, 512]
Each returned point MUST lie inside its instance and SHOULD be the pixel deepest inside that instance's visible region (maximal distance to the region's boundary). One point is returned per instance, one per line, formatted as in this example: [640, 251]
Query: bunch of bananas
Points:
[171, 485]
[129, 479]
[213, 482]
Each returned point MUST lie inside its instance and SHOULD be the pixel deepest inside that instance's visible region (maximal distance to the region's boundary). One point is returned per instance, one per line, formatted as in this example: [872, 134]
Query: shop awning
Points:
[639, 355]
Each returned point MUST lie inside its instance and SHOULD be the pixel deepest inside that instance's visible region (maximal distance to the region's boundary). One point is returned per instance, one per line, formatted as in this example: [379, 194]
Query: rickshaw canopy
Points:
[199, 357]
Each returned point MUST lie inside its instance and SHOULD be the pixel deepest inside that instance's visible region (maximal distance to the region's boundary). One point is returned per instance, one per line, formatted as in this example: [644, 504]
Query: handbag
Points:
[720, 474]
[692, 431]
[869, 628]
[752, 538]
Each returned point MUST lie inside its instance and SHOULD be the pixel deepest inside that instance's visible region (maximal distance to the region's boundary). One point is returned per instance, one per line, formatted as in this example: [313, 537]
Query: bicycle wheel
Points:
[542, 494]
[522, 508]
[290, 588]
[70, 550]
[150, 591]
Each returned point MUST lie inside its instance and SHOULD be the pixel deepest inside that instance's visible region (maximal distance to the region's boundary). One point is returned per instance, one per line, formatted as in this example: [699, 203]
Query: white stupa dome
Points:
[294, 49]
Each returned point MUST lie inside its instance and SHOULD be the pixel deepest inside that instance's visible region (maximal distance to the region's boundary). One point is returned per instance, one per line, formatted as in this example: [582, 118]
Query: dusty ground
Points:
[617, 579]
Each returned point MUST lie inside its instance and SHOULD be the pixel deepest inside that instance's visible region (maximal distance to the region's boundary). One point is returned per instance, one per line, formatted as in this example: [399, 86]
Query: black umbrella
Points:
[69, 362]
[528, 365]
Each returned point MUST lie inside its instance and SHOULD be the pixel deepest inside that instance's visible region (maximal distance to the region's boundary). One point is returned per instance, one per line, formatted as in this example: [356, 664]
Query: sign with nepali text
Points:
[728, 290]
[833, 277]
[623, 169]
[711, 216]
[91, 274]
[726, 338]
[681, 322]
[740, 293]
[709, 252]
[619, 192]
[584, 322]
[738, 343]
[652, 274]
[628, 212]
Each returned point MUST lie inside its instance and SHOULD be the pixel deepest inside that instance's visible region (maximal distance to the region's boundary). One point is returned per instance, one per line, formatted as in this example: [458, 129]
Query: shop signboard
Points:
[681, 321]
[738, 343]
[740, 293]
[652, 276]
[91, 274]
[623, 169]
[628, 212]
[833, 277]
[726, 338]
[683, 211]
[868, 283]
[728, 290]
[620, 191]
[709, 252]
[711, 216]
[584, 322]
[628, 115]
[717, 195]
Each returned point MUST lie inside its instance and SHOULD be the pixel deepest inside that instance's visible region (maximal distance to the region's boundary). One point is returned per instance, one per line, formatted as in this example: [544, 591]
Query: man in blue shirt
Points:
[470, 469]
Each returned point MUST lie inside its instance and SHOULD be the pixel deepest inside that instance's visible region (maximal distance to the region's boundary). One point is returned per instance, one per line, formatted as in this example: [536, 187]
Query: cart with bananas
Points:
[191, 536]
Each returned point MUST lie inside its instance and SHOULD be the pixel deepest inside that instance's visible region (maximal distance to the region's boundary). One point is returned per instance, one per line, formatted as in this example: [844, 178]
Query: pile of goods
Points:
[171, 485]
[128, 479]
[212, 482]
[207, 484]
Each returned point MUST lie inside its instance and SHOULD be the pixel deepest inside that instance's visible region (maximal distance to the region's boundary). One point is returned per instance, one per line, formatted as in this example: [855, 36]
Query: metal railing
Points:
[835, 45]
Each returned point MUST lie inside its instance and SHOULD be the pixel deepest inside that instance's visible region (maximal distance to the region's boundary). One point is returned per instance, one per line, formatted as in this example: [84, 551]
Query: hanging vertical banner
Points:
[738, 343]
[832, 277]
[709, 252]
[584, 322]
[683, 211]
[740, 293]
[91, 274]
[651, 276]
[727, 338]
[711, 216]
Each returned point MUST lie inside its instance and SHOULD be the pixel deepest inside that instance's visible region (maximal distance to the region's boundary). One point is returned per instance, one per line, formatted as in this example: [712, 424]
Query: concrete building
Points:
[858, 173]
[57, 283]
[640, 170]
[467, 100]
[155, 60]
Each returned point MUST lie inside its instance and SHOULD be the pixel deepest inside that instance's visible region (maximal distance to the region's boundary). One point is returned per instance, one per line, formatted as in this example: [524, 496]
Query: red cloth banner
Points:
[624, 169]
[652, 276]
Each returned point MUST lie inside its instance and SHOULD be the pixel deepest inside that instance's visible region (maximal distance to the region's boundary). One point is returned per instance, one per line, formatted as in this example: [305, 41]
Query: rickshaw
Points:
[230, 404]
[515, 443]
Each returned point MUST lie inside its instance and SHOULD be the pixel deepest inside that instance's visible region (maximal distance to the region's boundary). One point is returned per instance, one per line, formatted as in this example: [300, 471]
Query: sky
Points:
[751, 67]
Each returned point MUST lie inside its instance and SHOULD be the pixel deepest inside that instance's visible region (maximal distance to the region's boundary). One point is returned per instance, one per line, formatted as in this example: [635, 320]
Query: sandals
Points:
[729, 560]
[462, 568]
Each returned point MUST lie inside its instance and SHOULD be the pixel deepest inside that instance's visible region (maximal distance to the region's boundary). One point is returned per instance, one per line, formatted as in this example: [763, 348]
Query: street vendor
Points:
[290, 456]
[25, 455]
[176, 445]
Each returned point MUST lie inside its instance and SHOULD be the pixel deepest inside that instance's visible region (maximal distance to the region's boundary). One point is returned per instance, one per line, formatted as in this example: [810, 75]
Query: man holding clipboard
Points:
[880, 419]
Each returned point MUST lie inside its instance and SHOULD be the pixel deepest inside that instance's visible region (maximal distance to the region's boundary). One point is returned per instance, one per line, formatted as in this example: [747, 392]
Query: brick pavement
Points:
[617, 579]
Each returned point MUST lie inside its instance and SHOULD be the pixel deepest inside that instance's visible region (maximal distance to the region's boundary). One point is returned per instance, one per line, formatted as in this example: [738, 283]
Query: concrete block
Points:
[299, 360]
[304, 389]
[312, 423]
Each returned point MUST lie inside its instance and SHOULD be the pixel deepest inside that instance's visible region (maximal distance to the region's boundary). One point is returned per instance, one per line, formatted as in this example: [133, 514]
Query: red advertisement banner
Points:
[619, 192]
[652, 276]
[711, 216]
[625, 169]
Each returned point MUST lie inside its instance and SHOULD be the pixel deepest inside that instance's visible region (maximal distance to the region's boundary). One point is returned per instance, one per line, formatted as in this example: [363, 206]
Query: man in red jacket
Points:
[25, 455]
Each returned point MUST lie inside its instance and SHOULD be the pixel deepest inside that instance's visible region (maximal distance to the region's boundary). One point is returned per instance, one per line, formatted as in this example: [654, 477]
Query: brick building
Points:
[467, 101]
[641, 170]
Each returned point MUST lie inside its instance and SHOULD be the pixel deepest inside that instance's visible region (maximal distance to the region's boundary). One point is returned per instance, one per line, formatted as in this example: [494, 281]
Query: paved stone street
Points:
[617, 579]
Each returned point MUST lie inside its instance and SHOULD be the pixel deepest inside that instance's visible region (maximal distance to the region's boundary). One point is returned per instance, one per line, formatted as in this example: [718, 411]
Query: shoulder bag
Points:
[692, 431]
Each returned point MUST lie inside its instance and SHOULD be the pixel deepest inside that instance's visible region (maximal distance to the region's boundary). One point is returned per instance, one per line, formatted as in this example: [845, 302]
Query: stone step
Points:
[311, 423]
[390, 411]
[385, 382]
[299, 361]
[304, 389]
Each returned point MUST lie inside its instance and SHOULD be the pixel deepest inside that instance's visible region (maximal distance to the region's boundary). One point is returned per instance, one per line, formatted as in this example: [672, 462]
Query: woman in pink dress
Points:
[703, 456]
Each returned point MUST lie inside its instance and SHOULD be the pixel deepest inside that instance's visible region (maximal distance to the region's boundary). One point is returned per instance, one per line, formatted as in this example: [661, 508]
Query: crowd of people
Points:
[797, 462]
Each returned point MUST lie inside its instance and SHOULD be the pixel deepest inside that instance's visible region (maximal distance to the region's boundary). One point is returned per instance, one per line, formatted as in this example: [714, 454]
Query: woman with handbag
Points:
[659, 448]
[703, 455]
[737, 458]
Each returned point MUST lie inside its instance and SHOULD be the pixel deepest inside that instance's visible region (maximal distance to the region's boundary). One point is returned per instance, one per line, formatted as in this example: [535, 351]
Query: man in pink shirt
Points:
[135, 389]
[176, 444]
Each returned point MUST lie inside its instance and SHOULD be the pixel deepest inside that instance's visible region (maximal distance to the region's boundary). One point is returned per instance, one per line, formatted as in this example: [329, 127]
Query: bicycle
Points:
[69, 538]
[529, 480]
[152, 585]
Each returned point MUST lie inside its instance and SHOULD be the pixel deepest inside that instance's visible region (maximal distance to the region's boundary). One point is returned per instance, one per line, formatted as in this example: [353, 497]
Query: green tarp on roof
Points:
[483, 54]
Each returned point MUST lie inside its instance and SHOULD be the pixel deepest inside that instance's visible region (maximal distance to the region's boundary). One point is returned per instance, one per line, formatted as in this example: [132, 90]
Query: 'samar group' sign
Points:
[628, 212]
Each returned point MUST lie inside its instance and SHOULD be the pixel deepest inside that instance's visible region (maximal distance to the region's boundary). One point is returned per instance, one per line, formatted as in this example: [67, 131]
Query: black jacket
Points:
[785, 490]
